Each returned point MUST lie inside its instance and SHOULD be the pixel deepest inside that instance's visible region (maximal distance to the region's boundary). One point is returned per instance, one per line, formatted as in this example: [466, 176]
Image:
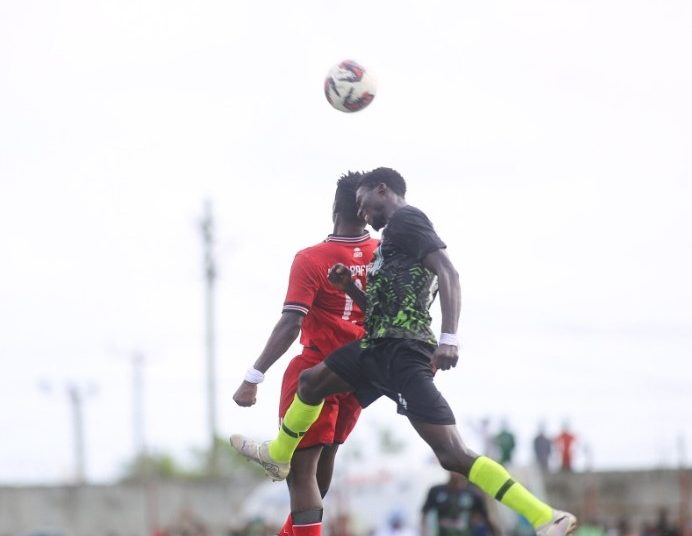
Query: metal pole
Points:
[207, 228]
[138, 407]
[75, 398]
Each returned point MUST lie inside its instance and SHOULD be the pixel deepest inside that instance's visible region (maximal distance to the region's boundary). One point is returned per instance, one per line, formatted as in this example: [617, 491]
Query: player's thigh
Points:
[338, 373]
[410, 384]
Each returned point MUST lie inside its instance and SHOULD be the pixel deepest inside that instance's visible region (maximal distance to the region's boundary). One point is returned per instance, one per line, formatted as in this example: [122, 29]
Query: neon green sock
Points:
[299, 417]
[494, 479]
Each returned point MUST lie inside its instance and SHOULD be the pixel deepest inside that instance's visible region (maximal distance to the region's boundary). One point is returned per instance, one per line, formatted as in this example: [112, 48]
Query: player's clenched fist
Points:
[340, 276]
[246, 395]
[445, 357]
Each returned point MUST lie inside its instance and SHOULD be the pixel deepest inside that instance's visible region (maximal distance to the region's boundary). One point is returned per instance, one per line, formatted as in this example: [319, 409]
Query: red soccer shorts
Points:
[339, 413]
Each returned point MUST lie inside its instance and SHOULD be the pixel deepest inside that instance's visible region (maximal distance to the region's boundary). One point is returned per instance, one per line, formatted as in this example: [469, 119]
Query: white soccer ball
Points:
[349, 87]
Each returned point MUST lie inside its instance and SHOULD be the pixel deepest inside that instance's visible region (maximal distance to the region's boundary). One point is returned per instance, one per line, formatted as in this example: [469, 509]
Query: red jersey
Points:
[331, 318]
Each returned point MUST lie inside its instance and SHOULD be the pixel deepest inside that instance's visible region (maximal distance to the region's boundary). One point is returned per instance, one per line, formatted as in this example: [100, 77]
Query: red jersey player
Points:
[327, 319]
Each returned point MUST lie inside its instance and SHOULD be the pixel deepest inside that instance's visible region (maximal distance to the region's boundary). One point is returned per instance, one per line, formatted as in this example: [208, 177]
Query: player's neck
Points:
[349, 230]
[395, 204]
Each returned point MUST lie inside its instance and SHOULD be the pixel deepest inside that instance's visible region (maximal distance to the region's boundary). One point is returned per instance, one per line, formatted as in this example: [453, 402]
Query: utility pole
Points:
[139, 441]
[207, 229]
[76, 397]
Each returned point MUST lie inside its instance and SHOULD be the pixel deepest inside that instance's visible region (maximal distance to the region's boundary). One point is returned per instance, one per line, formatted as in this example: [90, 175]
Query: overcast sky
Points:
[549, 142]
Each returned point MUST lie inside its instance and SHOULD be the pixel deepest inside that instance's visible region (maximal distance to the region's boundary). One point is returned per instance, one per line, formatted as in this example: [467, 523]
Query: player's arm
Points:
[340, 277]
[446, 355]
[283, 335]
[303, 282]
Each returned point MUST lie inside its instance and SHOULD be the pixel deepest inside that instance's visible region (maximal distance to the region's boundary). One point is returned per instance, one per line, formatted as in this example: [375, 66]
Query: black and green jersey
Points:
[458, 512]
[400, 289]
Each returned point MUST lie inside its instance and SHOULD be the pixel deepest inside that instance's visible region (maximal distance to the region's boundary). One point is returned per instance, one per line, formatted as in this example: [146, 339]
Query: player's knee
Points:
[308, 387]
[456, 462]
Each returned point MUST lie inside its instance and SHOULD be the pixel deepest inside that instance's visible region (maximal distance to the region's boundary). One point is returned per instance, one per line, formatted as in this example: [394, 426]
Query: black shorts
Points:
[397, 368]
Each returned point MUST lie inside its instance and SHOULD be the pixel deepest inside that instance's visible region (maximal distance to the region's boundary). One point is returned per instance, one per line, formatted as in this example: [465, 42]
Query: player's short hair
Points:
[388, 176]
[345, 197]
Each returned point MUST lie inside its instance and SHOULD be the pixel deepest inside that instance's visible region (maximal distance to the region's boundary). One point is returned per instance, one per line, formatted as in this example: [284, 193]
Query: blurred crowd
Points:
[468, 525]
[549, 451]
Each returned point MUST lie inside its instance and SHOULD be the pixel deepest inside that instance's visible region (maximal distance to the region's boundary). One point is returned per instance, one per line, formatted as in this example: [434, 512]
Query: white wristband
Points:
[449, 338]
[254, 376]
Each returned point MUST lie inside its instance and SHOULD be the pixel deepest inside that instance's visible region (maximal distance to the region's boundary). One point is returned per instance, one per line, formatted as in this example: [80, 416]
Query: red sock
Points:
[314, 529]
[287, 529]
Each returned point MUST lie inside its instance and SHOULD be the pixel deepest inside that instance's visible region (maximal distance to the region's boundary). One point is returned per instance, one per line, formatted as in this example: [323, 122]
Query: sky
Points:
[548, 141]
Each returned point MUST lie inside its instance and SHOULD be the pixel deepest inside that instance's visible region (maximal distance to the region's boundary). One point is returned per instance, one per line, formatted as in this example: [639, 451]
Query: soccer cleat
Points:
[259, 453]
[562, 524]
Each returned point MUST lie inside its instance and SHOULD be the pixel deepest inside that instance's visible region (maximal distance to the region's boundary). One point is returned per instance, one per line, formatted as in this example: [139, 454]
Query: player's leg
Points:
[293, 416]
[306, 498]
[315, 384]
[338, 373]
[492, 478]
[349, 408]
[410, 377]
[325, 468]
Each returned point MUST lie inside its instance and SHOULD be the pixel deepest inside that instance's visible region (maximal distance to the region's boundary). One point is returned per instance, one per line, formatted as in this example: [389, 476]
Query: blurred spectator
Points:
[187, 524]
[396, 526]
[542, 447]
[647, 529]
[505, 443]
[663, 526]
[456, 508]
[624, 528]
[485, 436]
[564, 443]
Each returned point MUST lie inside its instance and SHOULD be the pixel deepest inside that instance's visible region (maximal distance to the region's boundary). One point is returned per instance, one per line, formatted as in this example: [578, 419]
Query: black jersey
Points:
[459, 512]
[400, 289]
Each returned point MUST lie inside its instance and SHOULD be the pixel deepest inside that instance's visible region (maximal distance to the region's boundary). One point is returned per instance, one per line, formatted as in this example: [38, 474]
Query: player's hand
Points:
[246, 395]
[445, 357]
[340, 276]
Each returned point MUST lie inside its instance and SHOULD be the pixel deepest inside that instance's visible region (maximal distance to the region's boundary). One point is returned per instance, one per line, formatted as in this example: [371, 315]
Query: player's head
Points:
[345, 206]
[379, 193]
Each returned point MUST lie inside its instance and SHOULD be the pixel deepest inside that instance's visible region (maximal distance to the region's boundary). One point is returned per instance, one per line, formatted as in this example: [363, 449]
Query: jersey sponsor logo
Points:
[357, 253]
[360, 270]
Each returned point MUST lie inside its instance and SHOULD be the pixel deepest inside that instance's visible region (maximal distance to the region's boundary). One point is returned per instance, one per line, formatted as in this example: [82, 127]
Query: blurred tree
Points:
[389, 442]
[162, 466]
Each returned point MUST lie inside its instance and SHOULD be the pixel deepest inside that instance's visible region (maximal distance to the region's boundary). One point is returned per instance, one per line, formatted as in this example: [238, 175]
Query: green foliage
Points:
[389, 442]
[220, 462]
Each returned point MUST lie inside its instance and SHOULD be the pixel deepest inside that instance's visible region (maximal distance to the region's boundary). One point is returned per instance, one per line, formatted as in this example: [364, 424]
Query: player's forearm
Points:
[357, 295]
[282, 337]
[450, 299]
[448, 286]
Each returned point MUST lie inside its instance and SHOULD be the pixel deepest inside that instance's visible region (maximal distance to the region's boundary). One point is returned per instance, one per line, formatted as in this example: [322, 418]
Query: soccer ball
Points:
[348, 87]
